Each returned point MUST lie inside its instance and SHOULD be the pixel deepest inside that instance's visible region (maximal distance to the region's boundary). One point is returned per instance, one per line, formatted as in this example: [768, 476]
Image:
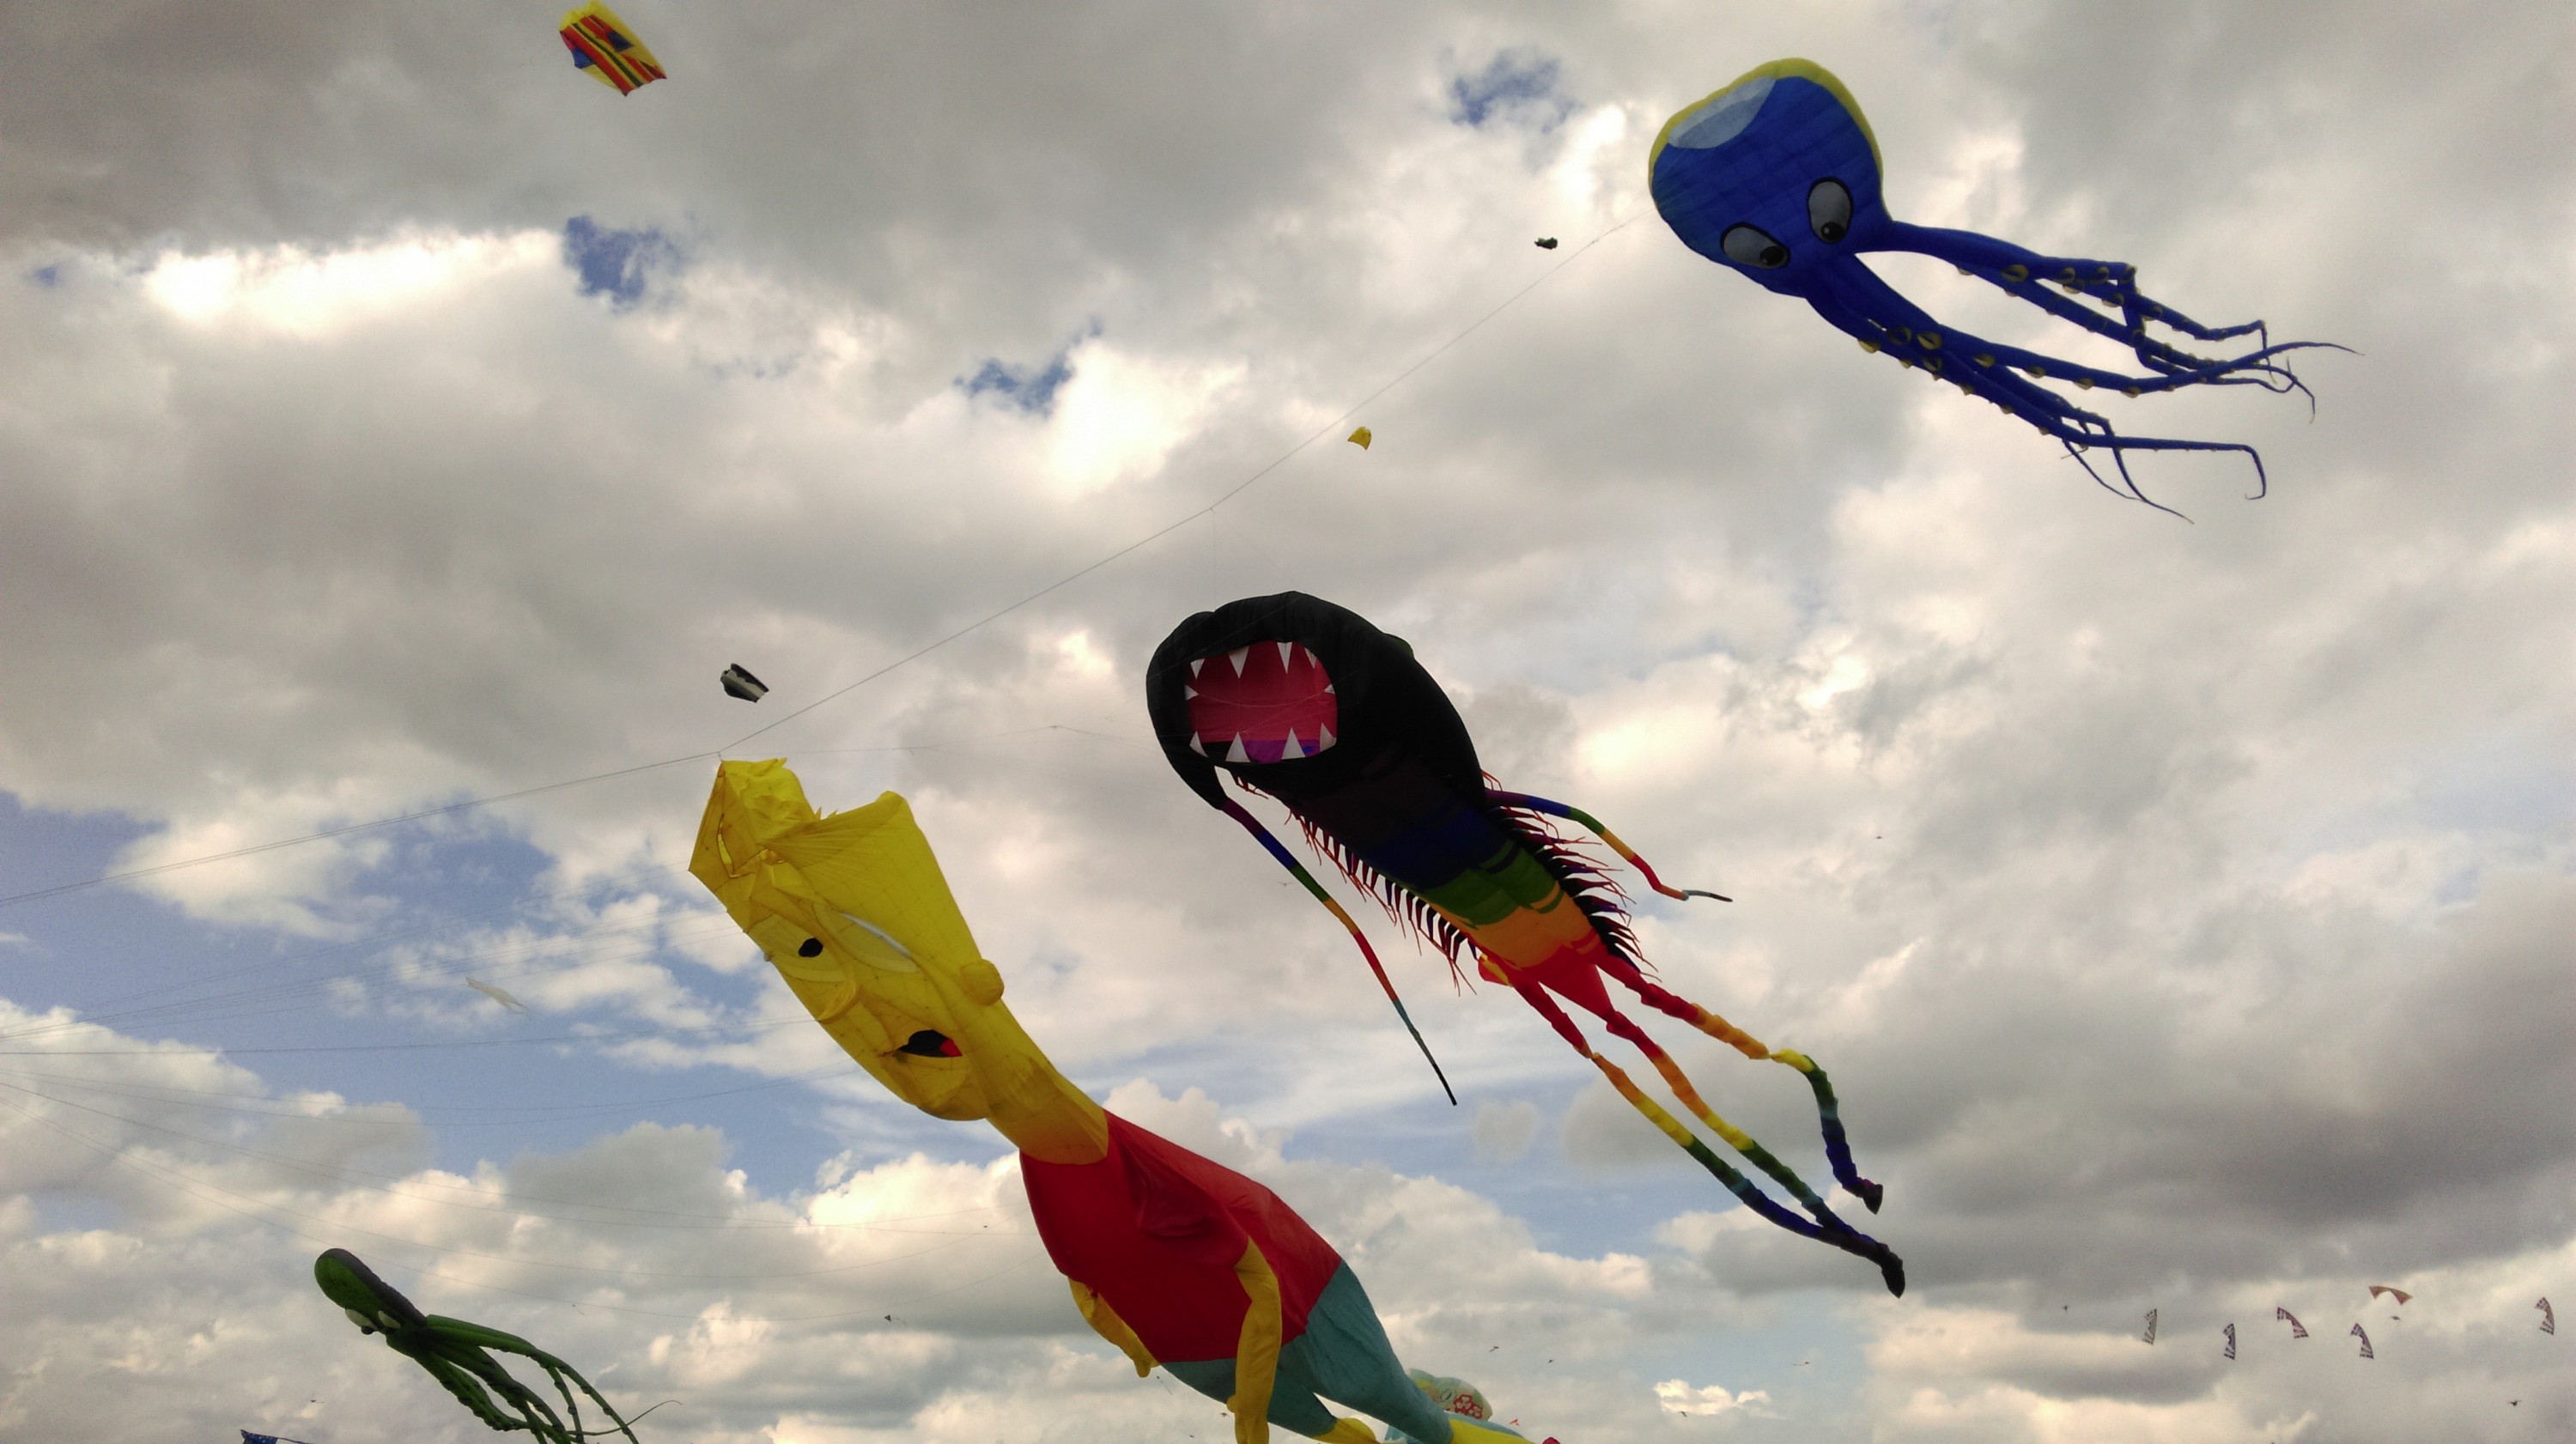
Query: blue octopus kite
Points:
[1777, 176]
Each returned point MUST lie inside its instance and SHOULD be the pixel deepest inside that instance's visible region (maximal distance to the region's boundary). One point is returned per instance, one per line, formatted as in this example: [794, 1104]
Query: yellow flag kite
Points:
[603, 45]
[1361, 438]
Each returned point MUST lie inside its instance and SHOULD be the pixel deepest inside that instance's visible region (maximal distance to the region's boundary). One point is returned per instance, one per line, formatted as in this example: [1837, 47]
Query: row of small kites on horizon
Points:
[2548, 1321]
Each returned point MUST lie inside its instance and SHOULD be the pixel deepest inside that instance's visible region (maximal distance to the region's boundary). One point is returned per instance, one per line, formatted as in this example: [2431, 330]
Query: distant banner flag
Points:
[2548, 1317]
[2150, 1335]
[2365, 1342]
[606, 47]
[2297, 1329]
[2400, 1295]
[2231, 1341]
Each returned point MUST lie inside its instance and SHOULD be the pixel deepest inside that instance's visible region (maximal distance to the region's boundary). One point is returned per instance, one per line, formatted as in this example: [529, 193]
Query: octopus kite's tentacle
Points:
[1280, 854]
[1856, 299]
[469, 1346]
[2021, 271]
[1909, 333]
[1626, 853]
[1891, 1268]
[459, 1383]
[1829, 1120]
[470, 1363]
[462, 1334]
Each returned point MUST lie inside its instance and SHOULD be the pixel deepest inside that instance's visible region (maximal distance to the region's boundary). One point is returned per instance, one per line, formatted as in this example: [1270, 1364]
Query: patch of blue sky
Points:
[317, 1015]
[616, 263]
[1516, 86]
[2507, 781]
[1029, 390]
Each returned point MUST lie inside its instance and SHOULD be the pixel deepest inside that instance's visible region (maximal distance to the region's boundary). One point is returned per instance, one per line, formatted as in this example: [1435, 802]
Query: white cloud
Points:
[1678, 1397]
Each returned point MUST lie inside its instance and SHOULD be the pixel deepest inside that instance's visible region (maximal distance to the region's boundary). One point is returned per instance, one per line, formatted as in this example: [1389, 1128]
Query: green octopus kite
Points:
[457, 1355]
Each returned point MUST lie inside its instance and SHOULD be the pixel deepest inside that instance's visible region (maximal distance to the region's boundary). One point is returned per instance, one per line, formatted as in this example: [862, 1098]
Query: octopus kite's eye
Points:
[1748, 246]
[810, 948]
[1829, 209]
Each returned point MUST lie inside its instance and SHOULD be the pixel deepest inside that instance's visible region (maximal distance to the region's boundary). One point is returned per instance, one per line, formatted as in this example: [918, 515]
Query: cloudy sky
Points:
[391, 418]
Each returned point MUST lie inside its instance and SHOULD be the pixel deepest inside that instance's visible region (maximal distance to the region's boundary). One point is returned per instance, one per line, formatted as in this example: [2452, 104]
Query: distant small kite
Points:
[2230, 1331]
[1546, 243]
[606, 47]
[2548, 1317]
[251, 1438]
[2365, 1342]
[2150, 1334]
[738, 682]
[1361, 438]
[2398, 1294]
[2297, 1329]
[498, 995]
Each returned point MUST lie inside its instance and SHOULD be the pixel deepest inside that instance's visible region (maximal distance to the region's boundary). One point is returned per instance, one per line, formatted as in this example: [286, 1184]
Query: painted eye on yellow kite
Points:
[930, 1043]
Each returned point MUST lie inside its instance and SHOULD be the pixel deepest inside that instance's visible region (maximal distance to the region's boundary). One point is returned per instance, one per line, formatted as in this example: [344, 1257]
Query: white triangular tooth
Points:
[1197, 746]
[1195, 664]
[1234, 750]
[1323, 738]
[1292, 749]
[1189, 693]
[1328, 689]
[1236, 657]
[1285, 648]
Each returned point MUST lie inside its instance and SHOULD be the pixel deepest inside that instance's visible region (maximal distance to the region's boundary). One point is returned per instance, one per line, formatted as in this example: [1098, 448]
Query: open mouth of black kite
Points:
[1269, 702]
[930, 1044]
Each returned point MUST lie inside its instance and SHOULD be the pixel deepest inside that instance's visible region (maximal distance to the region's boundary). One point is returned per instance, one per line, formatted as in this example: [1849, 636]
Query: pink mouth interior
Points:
[1269, 702]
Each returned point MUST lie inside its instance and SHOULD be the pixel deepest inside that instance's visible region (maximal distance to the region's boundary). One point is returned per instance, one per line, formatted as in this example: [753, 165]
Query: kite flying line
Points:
[59, 889]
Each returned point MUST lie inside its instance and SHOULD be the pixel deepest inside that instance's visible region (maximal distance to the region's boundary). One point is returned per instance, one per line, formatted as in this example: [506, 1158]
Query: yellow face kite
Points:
[854, 913]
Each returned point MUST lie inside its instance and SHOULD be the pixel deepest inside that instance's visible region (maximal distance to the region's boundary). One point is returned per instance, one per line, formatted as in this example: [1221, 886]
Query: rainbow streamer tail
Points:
[1296, 869]
[1828, 1109]
[1826, 1230]
[1626, 853]
[1829, 1117]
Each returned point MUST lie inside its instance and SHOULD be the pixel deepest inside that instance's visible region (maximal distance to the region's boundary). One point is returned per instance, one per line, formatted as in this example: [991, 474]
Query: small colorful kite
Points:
[1178, 1261]
[2403, 1298]
[2297, 1329]
[737, 681]
[1545, 243]
[606, 47]
[1361, 438]
[2548, 1317]
[2150, 1334]
[1306, 701]
[2230, 1331]
[459, 1355]
[1777, 176]
[498, 995]
[2365, 1342]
